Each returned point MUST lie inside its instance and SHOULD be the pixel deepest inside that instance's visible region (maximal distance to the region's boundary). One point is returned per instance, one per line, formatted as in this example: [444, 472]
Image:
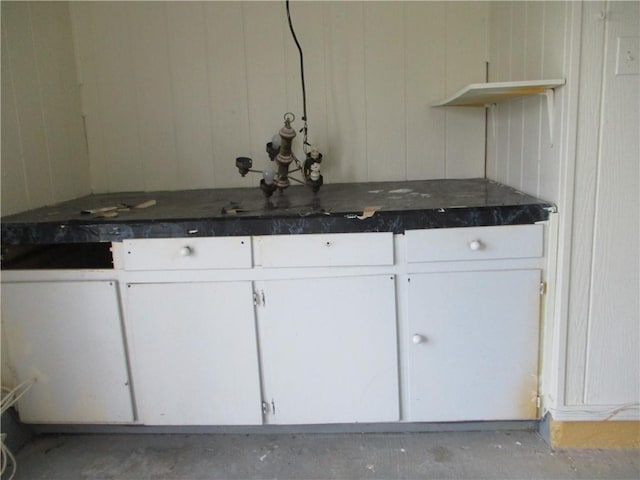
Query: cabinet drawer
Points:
[474, 243]
[187, 253]
[326, 250]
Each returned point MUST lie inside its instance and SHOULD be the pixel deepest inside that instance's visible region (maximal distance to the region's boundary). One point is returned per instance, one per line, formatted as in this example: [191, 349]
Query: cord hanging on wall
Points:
[280, 150]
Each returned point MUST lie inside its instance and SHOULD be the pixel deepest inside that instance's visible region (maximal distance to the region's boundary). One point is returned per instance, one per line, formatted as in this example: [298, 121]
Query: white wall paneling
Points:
[516, 107]
[82, 25]
[466, 45]
[154, 105]
[425, 81]
[227, 88]
[613, 340]
[499, 68]
[174, 91]
[528, 41]
[385, 91]
[345, 88]
[189, 76]
[23, 71]
[266, 88]
[44, 156]
[556, 52]
[533, 108]
[15, 196]
[591, 171]
[308, 21]
[113, 57]
[585, 176]
[602, 336]
[66, 147]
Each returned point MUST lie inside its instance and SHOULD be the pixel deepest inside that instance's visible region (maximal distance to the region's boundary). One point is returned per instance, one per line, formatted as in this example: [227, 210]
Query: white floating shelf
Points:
[484, 94]
[487, 94]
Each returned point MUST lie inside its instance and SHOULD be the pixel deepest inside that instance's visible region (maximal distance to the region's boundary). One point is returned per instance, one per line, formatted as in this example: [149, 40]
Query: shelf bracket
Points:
[550, 95]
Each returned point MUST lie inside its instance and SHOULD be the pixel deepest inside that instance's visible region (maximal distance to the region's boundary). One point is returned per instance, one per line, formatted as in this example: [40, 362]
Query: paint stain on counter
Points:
[400, 190]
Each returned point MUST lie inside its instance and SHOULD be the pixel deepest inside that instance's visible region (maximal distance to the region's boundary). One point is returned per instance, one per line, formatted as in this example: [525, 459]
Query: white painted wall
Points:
[591, 171]
[174, 91]
[527, 41]
[44, 154]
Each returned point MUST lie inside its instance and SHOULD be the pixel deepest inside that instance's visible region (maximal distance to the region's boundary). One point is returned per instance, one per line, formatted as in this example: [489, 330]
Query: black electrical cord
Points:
[304, 90]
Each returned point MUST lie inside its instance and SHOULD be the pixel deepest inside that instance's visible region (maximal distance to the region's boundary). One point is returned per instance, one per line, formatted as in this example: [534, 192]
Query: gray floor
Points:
[473, 455]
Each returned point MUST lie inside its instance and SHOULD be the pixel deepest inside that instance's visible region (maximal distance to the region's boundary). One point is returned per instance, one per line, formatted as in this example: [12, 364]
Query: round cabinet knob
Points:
[475, 245]
[186, 251]
[417, 338]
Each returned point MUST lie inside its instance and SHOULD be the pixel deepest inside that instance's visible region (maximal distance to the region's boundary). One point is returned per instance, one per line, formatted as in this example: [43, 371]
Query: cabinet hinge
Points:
[266, 408]
[543, 288]
[538, 402]
[258, 298]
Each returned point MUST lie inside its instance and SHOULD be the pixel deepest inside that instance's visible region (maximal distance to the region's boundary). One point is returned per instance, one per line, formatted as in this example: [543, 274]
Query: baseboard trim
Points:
[589, 434]
[595, 413]
[294, 429]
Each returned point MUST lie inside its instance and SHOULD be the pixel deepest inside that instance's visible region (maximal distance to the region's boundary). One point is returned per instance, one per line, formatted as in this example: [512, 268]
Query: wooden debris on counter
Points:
[112, 211]
[368, 212]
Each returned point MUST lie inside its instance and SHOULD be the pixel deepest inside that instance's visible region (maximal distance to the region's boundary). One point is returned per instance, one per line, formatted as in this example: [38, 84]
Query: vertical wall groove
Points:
[39, 93]
[41, 126]
[146, 129]
[8, 70]
[595, 202]
[385, 150]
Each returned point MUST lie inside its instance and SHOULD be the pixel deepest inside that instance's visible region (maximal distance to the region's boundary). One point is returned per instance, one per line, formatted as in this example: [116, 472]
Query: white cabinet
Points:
[68, 335]
[328, 349]
[474, 243]
[473, 312]
[288, 329]
[473, 345]
[325, 250]
[198, 253]
[194, 353]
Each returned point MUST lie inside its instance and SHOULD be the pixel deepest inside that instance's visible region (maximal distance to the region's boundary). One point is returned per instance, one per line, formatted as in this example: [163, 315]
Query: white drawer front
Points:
[326, 250]
[187, 253]
[474, 243]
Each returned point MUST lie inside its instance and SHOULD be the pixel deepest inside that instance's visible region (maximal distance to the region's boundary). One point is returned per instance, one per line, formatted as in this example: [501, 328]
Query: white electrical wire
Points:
[622, 408]
[13, 395]
[7, 457]
[9, 398]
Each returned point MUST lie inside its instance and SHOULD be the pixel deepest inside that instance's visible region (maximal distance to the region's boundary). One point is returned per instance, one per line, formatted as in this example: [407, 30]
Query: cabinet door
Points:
[195, 353]
[68, 335]
[328, 350]
[473, 345]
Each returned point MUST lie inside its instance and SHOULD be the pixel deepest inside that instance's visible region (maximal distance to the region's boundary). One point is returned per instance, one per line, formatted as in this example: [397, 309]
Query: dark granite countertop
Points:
[398, 206]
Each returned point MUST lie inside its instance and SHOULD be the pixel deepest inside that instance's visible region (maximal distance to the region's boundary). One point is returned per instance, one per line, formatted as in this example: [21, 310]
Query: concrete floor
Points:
[442, 455]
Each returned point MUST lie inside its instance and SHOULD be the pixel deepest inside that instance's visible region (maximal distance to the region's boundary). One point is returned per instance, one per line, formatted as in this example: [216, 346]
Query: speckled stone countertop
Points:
[337, 208]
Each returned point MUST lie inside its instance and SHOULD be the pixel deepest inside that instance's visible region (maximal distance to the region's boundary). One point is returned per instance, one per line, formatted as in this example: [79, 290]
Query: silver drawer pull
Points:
[186, 251]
